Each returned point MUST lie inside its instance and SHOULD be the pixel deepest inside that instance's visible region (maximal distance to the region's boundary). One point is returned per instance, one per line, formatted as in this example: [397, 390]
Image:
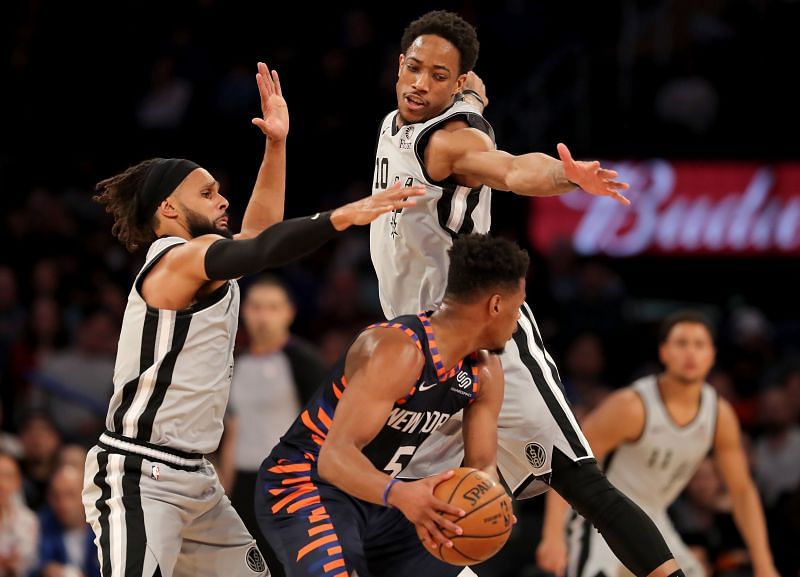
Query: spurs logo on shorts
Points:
[255, 560]
[536, 454]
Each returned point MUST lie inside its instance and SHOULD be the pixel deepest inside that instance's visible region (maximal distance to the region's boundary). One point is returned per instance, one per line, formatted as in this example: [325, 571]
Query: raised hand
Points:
[367, 209]
[591, 177]
[275, 121]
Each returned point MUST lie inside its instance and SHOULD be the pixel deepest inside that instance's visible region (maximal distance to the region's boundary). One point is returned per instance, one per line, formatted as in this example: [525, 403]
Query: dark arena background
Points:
[692, 101]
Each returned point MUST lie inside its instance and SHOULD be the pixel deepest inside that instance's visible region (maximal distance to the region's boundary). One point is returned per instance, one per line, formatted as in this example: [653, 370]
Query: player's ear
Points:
[167, 208]
[662, 354]
[494, 304]
[462, 78]
[400, 65]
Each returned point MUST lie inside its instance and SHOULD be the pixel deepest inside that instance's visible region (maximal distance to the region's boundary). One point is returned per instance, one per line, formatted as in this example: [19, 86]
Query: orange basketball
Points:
[487, 524]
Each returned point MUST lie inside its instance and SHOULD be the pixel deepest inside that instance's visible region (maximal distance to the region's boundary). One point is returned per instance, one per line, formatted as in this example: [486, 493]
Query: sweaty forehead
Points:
[434, 50]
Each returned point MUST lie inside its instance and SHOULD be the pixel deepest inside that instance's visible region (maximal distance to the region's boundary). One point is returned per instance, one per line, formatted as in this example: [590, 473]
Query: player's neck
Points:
[172, 229]
[268, 345]
[673, 388]
[455, 336]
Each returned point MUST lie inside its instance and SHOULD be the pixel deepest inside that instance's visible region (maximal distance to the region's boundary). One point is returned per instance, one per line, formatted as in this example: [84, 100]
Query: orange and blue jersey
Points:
[318, 530]
[438, 394]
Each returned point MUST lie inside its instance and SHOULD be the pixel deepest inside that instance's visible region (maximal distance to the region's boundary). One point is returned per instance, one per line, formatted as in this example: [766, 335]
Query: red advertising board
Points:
[682, 209]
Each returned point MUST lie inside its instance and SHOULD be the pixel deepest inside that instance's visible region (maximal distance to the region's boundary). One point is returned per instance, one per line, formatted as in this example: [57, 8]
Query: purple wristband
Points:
[386, 491]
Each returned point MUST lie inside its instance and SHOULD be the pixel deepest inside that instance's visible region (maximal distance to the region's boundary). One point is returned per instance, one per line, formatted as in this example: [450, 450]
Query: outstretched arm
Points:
[747, 510]
[265, 207]
[470, 157]
[293, 239]
[173, 283]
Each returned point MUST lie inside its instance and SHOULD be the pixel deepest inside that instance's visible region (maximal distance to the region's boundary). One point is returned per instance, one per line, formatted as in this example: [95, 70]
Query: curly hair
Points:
[118, 194]
[481, 263]
[452, 28]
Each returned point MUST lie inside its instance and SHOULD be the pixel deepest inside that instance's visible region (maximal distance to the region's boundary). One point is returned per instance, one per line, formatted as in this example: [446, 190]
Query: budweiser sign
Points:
[680, 208]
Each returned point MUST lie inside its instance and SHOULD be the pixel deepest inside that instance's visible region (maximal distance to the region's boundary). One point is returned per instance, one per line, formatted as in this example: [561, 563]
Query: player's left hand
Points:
[275, 123]
[364, 211]
[591, 177]
[474, 82]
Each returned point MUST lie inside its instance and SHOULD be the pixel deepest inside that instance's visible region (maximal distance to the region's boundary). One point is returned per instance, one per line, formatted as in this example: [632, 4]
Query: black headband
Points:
[163, 177]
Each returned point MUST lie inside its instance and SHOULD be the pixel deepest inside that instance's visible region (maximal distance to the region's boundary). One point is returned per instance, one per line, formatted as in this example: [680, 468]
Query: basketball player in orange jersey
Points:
[438, 137]
[328, 498]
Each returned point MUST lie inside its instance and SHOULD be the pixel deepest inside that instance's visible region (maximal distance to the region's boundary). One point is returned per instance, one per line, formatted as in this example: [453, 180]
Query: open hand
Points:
[275, 123]
[591, 177]
[364, 211]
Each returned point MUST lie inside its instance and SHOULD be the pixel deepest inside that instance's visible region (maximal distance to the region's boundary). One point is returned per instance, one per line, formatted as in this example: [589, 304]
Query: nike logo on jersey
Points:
[315, 217]
[424, 386]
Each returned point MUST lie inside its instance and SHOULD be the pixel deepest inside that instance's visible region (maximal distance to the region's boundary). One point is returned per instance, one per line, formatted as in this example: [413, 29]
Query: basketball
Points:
[487, 523]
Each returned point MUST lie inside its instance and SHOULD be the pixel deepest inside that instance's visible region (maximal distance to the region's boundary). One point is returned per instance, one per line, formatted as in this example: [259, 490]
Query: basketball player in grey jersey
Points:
[435, 140]
[652, 437]
[155, 503]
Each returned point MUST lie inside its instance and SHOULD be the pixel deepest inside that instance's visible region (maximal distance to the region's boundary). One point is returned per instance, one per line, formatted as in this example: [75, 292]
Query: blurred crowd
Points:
[622, 80]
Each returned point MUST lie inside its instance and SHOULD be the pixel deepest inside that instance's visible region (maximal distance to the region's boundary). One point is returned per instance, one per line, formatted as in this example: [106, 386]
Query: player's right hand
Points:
[551, 556]
[416, 501]
[364, 211]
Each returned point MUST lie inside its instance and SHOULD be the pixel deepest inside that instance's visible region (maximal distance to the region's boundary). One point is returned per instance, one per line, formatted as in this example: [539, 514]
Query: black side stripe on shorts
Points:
[583, 556]
[540, 343]
[146, 359]
[136, 537]
[144, 427]
[105, 511]
[555, 408]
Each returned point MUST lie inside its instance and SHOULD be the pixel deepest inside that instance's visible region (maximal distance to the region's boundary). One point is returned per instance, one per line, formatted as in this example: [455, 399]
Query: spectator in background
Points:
[19, 529]
[12, 321]
[41, 441]
[79, 378]
[72, 454]
[9, 443]
[271, 381]
[584, 378]
[777, 450]
[44, 333]
[12, 314]
[66, 547]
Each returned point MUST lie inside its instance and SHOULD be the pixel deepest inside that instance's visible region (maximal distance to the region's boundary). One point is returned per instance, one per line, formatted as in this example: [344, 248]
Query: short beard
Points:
[498, 351]
[199, 225]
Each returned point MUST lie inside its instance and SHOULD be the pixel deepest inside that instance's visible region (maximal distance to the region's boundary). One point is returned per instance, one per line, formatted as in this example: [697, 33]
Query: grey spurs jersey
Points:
[655, 468]
[173, 370]
[409, 246]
